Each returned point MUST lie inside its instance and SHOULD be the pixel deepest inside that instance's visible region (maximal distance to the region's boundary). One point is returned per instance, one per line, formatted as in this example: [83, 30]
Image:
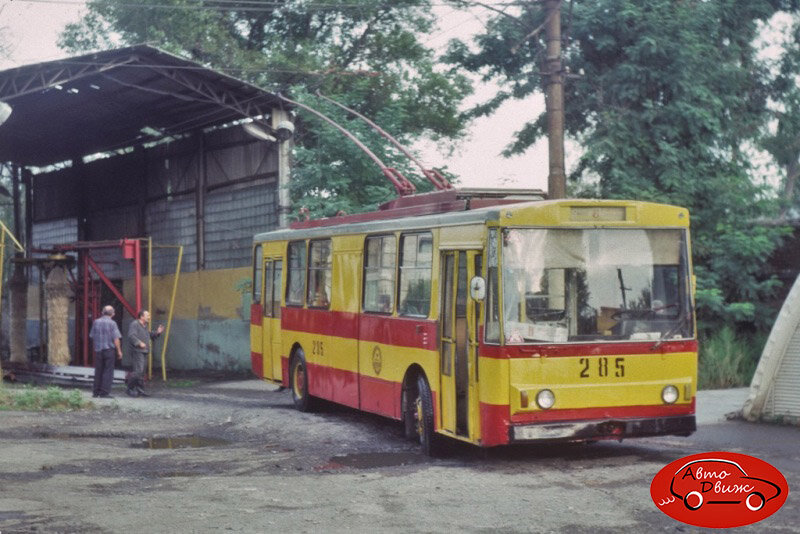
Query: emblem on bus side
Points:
[719, 490]
[377, 359]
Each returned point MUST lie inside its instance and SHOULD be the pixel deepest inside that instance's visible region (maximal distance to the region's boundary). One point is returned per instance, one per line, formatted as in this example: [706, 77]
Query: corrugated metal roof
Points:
[100, 102]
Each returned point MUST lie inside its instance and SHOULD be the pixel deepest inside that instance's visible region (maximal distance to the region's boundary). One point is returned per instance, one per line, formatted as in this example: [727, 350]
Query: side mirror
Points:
[477, 288]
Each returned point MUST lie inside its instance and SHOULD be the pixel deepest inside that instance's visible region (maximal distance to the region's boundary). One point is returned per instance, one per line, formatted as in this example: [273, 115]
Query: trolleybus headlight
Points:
[545, 399]
[669, 394]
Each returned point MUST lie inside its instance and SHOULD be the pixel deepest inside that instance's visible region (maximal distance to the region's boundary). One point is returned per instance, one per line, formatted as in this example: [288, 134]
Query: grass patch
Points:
[31, 398]
[728, 359]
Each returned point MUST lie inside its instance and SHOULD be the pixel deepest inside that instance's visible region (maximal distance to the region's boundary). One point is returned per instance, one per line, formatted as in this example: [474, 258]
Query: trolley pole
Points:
[554, 101]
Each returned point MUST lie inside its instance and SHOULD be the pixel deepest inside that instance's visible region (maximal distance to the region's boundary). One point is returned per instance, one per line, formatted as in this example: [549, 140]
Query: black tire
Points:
[423, 418]
[408, 402]
[298, 382]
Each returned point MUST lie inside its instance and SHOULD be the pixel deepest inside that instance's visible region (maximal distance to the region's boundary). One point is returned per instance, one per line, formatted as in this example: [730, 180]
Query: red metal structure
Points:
[91, 278]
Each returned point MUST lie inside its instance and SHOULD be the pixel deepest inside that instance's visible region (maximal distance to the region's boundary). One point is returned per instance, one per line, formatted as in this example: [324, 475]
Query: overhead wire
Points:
[224, 69]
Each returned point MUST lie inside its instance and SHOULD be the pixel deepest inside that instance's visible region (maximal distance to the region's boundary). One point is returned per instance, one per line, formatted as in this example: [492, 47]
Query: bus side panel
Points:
[328, 340]
[388, 346]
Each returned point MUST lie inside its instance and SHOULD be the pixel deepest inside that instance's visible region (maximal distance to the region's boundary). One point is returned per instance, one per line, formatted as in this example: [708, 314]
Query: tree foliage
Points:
[782, 138]
[665, 98]
[366, 54]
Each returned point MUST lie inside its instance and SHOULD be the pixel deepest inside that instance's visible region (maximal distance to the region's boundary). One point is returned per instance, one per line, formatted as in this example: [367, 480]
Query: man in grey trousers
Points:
[105, 338]
[139, 338]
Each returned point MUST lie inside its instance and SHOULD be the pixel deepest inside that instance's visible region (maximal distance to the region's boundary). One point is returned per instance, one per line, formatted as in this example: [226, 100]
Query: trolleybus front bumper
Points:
[606, 429]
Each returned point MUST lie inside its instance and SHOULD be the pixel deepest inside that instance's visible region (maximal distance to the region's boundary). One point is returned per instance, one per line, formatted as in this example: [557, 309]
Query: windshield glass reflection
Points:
[594, 284]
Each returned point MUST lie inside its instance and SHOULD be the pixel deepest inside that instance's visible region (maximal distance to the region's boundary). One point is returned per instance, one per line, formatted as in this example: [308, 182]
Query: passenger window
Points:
[296, 284]
[268, 287]
[319, 274]
[379, 274]
[416, 254]
[276, 289]
[257, 273]
[492, 333]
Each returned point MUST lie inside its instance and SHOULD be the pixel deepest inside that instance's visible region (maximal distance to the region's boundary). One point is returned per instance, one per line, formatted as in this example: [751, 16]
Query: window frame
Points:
[257, 290]
[311, 270]
[290, 271]
[365, 267]
[415, 267]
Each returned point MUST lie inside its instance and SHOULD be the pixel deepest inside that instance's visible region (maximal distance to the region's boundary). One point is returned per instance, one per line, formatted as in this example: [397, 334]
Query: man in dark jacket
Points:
[139, 338]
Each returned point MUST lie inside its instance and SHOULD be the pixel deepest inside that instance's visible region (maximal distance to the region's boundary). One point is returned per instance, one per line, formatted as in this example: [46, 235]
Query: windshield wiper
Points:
[669, 333]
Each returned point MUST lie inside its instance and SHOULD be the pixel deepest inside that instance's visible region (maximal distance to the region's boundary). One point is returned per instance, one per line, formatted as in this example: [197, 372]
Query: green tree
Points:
[365, 54]
[664, 97]
[782, 139]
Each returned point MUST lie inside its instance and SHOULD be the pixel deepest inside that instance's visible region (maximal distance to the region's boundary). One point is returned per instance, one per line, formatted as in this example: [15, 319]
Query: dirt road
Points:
[267, 468]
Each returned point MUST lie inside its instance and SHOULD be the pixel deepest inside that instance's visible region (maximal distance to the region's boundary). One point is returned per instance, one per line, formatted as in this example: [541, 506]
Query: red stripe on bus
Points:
[367, 393]
[495, 422]
[380, 396]
[256, 312]
[621, 412]
[398, 331]
[495, 419]
[323, 322]
[584, 349]
[333, 384]
[257, 364]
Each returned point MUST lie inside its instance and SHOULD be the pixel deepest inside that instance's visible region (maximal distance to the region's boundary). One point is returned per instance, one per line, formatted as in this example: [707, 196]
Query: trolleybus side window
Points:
[268, 288]
[416, 255]
[379, 273]
[295, 286]
[257, 266]
[319, 274]
[276, 289]
[492, 333]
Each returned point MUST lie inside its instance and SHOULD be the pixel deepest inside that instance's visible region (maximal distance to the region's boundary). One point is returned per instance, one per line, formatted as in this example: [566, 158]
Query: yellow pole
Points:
[169, 317]
[4, 230]
[14, 239]
[150, 301]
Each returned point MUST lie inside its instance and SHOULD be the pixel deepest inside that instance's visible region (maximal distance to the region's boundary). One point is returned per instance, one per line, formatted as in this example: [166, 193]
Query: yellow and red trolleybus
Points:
[486, 320]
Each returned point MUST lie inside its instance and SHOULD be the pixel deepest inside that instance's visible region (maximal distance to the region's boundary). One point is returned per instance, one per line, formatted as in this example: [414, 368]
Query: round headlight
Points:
[669, 394]
[545, 399]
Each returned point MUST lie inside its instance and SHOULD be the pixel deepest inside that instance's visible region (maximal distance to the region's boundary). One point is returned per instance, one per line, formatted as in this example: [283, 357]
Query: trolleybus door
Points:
[271, 338]
[458, 342]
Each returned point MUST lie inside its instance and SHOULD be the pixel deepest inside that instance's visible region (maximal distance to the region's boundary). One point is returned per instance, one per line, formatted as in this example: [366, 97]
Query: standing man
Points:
[105, 337]
[139, 338]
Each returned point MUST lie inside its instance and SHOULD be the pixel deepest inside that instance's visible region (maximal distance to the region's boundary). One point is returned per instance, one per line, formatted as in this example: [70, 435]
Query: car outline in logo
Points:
[754, 501]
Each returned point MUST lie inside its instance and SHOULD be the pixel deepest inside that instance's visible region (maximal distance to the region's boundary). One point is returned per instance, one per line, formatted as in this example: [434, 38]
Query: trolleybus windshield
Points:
[563, 285]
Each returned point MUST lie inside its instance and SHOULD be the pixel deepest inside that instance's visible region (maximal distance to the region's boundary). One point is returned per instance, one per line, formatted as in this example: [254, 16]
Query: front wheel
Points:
[423, 418]
[298, 379]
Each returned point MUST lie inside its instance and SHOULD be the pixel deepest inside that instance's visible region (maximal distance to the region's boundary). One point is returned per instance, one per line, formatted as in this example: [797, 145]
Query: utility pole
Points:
[554, 100]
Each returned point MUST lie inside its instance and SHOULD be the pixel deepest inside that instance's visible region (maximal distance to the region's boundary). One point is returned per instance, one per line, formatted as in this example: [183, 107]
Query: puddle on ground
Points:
[368, 460]
[179, 442]
[13, 515]
[79, 435]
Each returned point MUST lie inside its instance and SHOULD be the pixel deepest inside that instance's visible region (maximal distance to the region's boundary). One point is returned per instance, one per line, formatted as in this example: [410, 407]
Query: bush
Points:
[32, 398]
[728, 359]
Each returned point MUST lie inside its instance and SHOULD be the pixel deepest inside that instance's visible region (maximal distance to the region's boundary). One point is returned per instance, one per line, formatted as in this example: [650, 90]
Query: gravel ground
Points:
[270, 468]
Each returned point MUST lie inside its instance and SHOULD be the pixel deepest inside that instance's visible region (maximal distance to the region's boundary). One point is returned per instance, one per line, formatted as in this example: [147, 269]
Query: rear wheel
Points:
[409, 404]
[423, 417]
[298, 379]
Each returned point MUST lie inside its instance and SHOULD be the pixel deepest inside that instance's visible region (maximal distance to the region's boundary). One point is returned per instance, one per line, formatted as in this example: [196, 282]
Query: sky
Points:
[32, 29]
